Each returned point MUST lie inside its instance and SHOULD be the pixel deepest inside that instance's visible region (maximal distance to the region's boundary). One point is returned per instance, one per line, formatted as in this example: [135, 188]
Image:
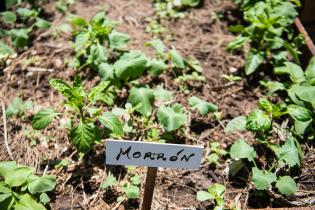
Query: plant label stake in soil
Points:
[122, 152]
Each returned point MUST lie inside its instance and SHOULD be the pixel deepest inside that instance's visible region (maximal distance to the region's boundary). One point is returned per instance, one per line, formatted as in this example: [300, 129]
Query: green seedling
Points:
[22, 189]
[215, 192]
[82, 114]
[216, 153]
[18, 107]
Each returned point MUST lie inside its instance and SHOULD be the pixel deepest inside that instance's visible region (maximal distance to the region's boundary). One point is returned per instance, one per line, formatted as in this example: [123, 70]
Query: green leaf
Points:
[26, 202]
[236, 124]
[130, 65]
[80, 42]
[294, 71]
[14, 175]
[106, 71]
[302, 127]
[299, 113]
[41, 184]
[8, 17]
[118, 40]
[262, 180]
[24, 12]
[18, 107]
[177, 59]
[43, 24]
[5, 49]
[213, 158]
[142, 95]
[98, 54]
[203, 107]
[158, 45]
[304, 93]
[136, 180]
[5, 193]
[109, 181]
[44, 198]
[98, 91]
[84, 136]
[286, 185]
[195, 65]
[113, 123]
[240, 149]
[157, 67]
[162, 95]
[203, 196]
[216, 190]
[191, 3]
[10, 3]
[237, 43]
[131, 191]
[288, 154]
[43, 118]
[310, 70]
[171, 118]
[258, 121]
[19, 37]
[253, 60]
[272, 86]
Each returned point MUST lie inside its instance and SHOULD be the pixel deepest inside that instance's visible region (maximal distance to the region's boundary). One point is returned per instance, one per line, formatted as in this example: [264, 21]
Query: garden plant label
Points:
[122, 152]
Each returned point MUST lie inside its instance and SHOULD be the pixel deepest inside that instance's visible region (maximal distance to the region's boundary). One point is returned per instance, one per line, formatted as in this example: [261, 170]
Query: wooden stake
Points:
[149, 188]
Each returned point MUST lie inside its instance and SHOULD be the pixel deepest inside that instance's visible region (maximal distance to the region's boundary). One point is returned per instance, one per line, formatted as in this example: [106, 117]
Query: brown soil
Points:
[78, 185]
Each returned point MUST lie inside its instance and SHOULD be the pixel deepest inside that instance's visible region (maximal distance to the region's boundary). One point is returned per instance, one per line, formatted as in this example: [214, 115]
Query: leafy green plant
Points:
[18, 107]
[129, 188]
[216, 153]
[202, 106]
[29, 19]
[270, 33]
[22, 189]
[62, 5]
[215, 192]
[82, 115]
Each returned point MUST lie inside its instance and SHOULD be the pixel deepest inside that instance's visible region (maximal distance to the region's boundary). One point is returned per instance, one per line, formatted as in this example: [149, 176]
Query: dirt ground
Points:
[198, 35]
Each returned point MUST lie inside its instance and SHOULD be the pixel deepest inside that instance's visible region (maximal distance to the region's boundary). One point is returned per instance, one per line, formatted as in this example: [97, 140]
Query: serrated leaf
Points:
[288, 154]
[98, 91]
[240, 149]
[171, 118]
[236, 124]
[113, 123]
[262, 180]
[43, 118]
[131, 191]
[253, 61]
[203, 196]
[162, 95]
[26, 202]
[258, 121]
[177, 59]
[130, 65]
[40, 184]
[202, 106]
[142, 95]
[286, 185]
[109, 181]
[84, 136]
[294, 71]
[118, 40]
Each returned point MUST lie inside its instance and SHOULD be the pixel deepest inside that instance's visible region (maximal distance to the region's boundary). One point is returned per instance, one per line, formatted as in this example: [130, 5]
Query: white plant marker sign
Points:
[153, 155]
[122, 152]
